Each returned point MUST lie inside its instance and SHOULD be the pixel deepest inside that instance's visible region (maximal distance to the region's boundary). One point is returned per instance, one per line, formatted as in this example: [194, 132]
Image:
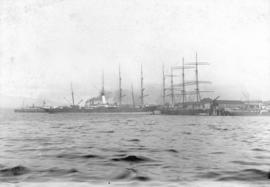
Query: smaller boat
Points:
[265, 113]
[243, 113]
[32, 109]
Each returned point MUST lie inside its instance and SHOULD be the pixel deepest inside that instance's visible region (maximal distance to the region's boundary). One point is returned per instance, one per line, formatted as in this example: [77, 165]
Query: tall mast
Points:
[132, 94]
[183, 82]
[102, 89]
[163, 88]
[142, 89]
[172, 87]
[72, 94]
[197, 80]
[120, 88]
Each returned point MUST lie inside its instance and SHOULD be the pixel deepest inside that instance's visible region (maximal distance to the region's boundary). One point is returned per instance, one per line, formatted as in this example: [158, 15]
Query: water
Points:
[129, 149]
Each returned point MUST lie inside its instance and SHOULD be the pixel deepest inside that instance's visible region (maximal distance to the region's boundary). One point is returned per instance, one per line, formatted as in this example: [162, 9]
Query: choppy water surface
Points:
[113, 148]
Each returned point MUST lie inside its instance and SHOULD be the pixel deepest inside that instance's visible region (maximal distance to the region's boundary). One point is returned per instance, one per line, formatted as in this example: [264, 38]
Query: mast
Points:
[172, 87]
[183, 83]
[102, 89]
[120, 88]
[132, 94]
[142, 89]
[103, 98]
[197, 80]
[72, 94]
[163, 86]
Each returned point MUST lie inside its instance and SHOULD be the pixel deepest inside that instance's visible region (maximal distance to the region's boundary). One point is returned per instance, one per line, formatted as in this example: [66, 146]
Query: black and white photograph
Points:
[134, 93]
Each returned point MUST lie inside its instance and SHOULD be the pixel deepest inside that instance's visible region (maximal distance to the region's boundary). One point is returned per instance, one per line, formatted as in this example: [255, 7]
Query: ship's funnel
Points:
[104, 100]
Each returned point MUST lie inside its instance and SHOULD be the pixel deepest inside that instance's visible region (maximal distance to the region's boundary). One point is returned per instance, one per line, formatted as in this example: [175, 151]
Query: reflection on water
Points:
[124, 148]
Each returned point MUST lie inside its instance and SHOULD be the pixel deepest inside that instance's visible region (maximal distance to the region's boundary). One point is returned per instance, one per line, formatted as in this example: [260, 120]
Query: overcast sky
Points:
[46, 44]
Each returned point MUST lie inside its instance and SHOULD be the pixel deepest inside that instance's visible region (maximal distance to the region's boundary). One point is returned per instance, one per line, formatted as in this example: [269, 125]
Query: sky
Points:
[47, 44]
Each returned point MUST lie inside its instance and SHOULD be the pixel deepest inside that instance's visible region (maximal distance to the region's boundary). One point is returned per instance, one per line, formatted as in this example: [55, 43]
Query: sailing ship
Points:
[205, 106]
[100, 103]
[185, 107]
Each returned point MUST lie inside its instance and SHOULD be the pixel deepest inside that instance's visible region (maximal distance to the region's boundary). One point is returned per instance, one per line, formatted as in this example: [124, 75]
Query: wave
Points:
[132, 158]
[242, 175]
[134, 140]
[247, 175]
[74, 156]
[172, 150]
[126, 174]
[214, 127]
[259, 150]
[262, 157]
[187, 133]
[141, 178]
[210, 175]
[130, 174]
[150, 123]
[247, 163]
[217, 153]
[192, 124]
[106, 131]
[14, 171]
[58, 171]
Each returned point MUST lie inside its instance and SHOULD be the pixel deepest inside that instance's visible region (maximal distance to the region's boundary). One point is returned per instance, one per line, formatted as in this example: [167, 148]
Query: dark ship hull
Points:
[244, 113]
[200, 112]
[102, 109]
[185, 112]
[249, 113]
[30, 110]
